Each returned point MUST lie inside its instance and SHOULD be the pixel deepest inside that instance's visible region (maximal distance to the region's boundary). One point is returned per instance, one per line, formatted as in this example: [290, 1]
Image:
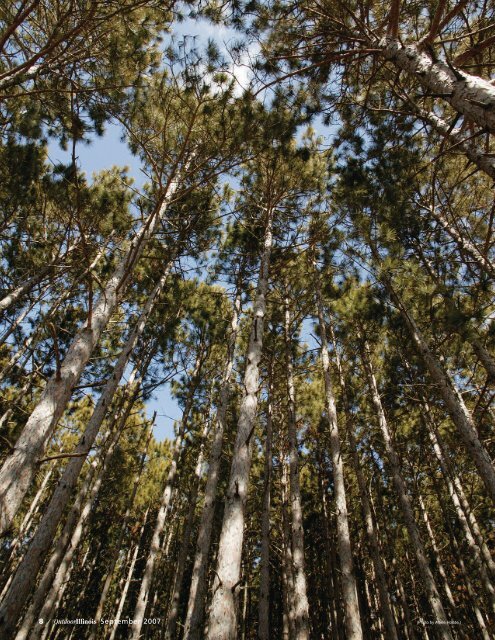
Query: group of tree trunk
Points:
[308, 271]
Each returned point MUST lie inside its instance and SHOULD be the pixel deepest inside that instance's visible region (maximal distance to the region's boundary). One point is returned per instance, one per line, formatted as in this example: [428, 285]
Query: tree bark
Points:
[13, 296]
[484, 356]
[453, 400]
[51, 313]
[288, 564]
[17, 471]
[197, 591]
[25, 524]
[349, 589]
[128, 578]
[376, 556]
[301, 607]
[463, 243]
[470, 95]
[436, 553]
[118, 545]
[333, 605]
[173, 612]
[59, 563]
[142, 600]
[480, 554]
[25, 577]
[483, 161]
[405, 504]
[223, 619]
[264, 594]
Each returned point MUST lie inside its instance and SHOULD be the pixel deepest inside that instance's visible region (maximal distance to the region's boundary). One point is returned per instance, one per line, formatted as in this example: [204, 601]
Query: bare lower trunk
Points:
[453, 400]
[438, 559]
[45, 596]
[264, 597]
[25, 525]
[301, 607]
[287, 548]
[123, 528]
[58, 601]
[173, 612]
[143, 596]
[380, 574]
[332, 603]
[405, 504]
[349, 589]
[479, 551]
[405, 608]
[223, 619]
[128, 579]
[25, 577]
[482, 623]
[17, 471]
[474, 596]
[197, 591]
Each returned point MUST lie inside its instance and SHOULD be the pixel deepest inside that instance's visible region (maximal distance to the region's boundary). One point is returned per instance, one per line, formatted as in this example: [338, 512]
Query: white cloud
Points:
[201, 31]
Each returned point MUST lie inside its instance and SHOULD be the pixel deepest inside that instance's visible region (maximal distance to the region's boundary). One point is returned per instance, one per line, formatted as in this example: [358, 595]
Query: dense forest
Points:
[302, 256]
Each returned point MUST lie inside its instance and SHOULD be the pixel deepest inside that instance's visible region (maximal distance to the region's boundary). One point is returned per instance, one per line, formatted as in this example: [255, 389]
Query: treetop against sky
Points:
[246, 320]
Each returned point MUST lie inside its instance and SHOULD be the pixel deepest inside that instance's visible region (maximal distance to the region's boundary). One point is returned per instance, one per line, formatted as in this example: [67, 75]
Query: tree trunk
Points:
[301, 607]
[13, 296]
[436, 553]
[20, 318]
[26, 523]
[349, 590]
[173, 612]
[483, 161]
[468, 334]
[287, 548]
[59, 597]
[197, 591]
[25, 577]
[51, 313]
[128, 578]
[264, 597]
[405, 504]
[479, 618]
[480, 553]
[453, 400]
[118, 545]
[463, 243]
[333, 606]
[142, 600]
[376, 556]
[223, 619]
[17, 471]
[484, 356]
[469, 95]
[45, 596]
